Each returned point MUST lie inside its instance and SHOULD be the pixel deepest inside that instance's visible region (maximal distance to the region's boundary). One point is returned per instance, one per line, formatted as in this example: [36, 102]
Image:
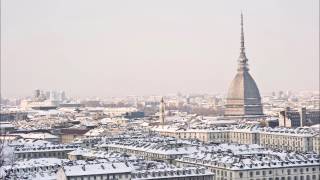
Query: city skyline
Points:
[151, 51]
[167, 90]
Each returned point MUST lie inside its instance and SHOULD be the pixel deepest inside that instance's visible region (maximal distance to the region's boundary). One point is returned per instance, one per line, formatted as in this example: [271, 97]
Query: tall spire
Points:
[242, 58]
[242, 36]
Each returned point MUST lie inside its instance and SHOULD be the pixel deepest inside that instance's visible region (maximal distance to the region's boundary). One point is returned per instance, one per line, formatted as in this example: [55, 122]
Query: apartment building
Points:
[49, 151]
[246, 163]
[298, 139]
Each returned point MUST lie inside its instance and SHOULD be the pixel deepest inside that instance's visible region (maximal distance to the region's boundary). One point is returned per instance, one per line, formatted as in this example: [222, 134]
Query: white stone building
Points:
[246, 163]
[98, 171]
[299, 139]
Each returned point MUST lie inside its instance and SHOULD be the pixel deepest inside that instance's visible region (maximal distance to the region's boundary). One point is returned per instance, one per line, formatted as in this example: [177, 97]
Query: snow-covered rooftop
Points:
[46, 148]
[238, 157]
[97, 169]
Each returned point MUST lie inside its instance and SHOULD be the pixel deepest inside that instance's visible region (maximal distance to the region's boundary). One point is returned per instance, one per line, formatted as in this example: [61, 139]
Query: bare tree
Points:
[2, 146]
[6, 159]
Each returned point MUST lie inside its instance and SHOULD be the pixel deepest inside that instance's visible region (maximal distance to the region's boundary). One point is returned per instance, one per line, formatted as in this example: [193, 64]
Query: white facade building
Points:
[244, 162]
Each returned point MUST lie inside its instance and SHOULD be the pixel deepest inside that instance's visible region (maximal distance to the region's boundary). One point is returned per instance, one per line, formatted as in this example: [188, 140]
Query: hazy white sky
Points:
[113, 48]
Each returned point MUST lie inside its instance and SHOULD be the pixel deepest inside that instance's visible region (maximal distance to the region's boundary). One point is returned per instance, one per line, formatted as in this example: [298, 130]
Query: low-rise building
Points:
[245, 135]
[149, 150]
[298, 118]
[9, 115]
[97, 171]
[148, 170]
[39, 136]
[316, 143]
[90, 154]
[247, 163]
[43, 168]
[71, 134]
[190, 173]
[214, 135]
[298, 139]
[49, 151]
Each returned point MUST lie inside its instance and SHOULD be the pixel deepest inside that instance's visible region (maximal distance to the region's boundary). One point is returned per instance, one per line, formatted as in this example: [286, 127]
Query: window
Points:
[258, 173]
[240, 174]
[251, 174]
[308, 177]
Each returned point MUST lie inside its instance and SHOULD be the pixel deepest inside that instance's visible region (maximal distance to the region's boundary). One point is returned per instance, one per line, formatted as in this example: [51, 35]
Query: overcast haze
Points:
[114, 48]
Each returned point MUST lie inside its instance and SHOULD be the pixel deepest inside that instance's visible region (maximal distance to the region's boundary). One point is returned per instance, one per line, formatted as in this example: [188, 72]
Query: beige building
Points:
[217, 135]
[299, 139]
[244, 136]
[69, 135]
[287, 141]
[316, 143]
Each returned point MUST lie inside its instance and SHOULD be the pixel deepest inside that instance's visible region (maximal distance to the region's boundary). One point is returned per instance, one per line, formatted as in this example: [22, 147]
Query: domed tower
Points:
[243, 97]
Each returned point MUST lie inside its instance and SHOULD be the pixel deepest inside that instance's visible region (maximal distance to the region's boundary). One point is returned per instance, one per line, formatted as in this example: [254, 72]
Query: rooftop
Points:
[96, 169]
[237, 157]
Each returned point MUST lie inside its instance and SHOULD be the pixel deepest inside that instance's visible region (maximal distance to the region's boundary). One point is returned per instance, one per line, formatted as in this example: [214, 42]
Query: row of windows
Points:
[307, 177]
[38, 155]
[266, 173]
[102, 177]
[289, 171]
[142, 153]
[126, 176]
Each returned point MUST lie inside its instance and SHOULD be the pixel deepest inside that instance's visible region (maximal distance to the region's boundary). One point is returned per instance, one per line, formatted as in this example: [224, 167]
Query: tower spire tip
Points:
[242, 59]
